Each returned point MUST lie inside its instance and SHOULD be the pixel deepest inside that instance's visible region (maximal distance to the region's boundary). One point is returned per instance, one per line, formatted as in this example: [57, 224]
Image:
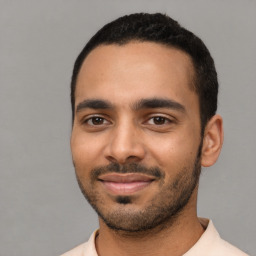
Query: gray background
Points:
[41, 208]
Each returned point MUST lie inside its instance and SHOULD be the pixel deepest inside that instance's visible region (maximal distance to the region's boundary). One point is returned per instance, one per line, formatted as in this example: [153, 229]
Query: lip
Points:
[125, 184]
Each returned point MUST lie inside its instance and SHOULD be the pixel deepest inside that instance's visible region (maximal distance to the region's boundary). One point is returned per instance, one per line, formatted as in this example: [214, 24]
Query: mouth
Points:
[125, 184]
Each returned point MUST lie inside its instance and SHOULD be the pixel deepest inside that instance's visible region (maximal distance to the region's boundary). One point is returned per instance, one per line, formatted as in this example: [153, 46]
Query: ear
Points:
[212, 142]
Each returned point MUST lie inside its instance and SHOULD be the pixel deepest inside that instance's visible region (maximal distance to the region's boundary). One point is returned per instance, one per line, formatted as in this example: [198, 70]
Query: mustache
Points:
[127, 168]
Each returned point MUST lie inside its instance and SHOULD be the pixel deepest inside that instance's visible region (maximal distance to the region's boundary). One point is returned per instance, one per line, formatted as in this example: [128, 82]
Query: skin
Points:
[123, 76]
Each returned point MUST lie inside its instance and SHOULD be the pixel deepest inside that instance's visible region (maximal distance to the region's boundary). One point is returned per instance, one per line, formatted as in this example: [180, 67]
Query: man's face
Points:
[136, 135]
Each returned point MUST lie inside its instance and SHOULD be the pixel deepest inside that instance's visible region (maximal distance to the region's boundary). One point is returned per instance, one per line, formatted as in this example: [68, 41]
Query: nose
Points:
[125, 145]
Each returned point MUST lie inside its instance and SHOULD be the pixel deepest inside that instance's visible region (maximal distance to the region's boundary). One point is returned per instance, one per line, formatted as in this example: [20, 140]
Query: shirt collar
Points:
[205, 242]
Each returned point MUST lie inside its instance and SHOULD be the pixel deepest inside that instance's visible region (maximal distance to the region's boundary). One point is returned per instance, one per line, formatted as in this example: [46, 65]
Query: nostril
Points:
[129, 159]
[111, 159]
[133, 159]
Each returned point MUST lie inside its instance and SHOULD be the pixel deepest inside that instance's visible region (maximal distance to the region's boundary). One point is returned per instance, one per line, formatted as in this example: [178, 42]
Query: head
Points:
[144, 96]
[163, 30]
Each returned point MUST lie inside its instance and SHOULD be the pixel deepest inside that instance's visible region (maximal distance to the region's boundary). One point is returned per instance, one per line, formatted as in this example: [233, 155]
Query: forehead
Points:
[135, 70]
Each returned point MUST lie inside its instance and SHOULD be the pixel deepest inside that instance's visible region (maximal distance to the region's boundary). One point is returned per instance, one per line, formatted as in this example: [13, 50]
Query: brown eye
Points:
[96, 120]
[159, 120]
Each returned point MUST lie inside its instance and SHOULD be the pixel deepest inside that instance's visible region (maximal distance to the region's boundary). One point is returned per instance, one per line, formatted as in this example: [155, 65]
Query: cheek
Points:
[85, 152]
[174, 151]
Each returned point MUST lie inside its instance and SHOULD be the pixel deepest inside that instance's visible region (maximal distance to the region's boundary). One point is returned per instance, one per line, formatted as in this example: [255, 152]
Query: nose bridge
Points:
[125, 143]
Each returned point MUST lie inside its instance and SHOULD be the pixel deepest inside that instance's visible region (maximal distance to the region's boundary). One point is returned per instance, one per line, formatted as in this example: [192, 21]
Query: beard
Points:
[161, 210]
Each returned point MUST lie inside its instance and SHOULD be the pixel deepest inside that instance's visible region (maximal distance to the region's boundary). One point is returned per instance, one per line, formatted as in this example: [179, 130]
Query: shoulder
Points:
[221, 247]
[227, 249]
[77, 251]
[85, 249]
[211, 244]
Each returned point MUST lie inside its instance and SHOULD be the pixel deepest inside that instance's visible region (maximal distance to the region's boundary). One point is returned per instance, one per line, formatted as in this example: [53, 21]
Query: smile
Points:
[125, 184]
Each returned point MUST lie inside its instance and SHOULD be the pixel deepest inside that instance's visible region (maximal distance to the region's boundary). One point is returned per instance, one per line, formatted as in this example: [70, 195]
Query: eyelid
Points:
[169, 118]
[89, 117]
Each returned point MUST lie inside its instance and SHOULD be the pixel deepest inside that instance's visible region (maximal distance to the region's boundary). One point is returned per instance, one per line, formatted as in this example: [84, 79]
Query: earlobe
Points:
[212, 142]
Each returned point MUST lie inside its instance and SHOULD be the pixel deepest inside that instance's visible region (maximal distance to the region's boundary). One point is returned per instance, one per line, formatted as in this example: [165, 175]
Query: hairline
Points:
[138, 40]
[194, 78]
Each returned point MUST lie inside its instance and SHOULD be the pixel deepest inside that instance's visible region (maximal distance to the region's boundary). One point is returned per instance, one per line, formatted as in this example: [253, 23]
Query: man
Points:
[144, 99]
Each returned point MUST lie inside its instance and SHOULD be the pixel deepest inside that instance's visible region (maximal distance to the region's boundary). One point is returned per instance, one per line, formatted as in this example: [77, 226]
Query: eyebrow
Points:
[158, 103]
[141, 104]
[94, 104]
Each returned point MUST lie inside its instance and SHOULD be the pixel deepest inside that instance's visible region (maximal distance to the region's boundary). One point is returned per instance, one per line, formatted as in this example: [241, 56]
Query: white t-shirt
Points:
[209, 244]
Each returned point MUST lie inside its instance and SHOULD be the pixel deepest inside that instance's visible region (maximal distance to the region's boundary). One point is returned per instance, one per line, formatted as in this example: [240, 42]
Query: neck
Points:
[175, 238]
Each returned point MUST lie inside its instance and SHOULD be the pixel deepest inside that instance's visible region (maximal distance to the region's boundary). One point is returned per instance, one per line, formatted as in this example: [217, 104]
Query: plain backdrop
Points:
[42, 211]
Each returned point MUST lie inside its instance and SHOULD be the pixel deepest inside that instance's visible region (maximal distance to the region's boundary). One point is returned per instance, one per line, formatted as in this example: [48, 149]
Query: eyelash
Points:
[90, 119]
[102, 120]
[162, 118]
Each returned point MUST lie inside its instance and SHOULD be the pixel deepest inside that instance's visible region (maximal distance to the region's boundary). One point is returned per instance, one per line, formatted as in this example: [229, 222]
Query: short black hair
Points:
[162, 29]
